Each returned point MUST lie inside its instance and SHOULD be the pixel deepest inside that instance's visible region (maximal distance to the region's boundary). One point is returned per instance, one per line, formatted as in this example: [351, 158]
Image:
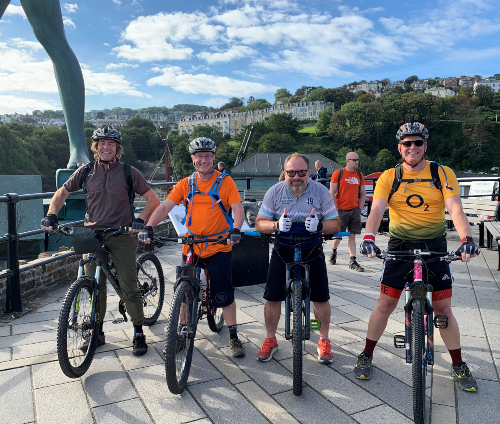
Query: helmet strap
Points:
[413, 166]
[107, 162]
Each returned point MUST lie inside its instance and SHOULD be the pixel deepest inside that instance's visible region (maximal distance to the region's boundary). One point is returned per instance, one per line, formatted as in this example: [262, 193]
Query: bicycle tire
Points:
[150, 277]
[297, 338]
[215, 319]
[418, 361]
[75, 328]
[178, 345]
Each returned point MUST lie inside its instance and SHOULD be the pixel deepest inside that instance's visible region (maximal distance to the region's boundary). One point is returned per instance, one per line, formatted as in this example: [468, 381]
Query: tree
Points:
[385, 160]
[411, 79]
[88, 124]
[213, 133]
[385, 81]
[100, 115]
[496, 76]
[278, 143]
[484, 94]
[366, 98]
[250, 100]
[283, 123]
[281, 92]
[137, 122]
[234, 103]
[15, 155]
[324, 119]
[258, 104]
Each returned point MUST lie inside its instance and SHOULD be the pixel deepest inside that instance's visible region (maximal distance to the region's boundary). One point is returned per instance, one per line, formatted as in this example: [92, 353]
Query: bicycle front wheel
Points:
[77, 332]
[152, 284]
[181, 329]
[418, 361]
[297, 338]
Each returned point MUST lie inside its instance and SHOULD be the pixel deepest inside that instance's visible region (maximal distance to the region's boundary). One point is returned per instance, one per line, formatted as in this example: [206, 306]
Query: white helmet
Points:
[202, 144]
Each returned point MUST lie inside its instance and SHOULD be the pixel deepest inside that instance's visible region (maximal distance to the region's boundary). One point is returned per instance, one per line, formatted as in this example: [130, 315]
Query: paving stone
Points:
[224, 404]
[5, 331]
[33, 350]
[36, 317]
[52, 306]
[493, 333]
[48, 374]
[443, 414]
[52, 404]
[336, 300]
[338, 389]
[243, 300]
[131, 362]
[265, 403]
[202, 370]
[15, 396]
[482, 405]
[443, 387]
[34, 327]
[256, 333]
[339, 317]
[359, 299]
[106, 382]
[311, 408]
[469, 321]
[221, 338]
[5, 354]
[26, 339]
[381, 415]
[252, 289]
[163, 406]
[129, 411]
[477, 353]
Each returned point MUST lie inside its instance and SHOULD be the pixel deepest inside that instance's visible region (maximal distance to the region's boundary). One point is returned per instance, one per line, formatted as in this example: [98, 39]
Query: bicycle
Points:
[79, 317]
[191, 303]
[297, 301]
[419, 321]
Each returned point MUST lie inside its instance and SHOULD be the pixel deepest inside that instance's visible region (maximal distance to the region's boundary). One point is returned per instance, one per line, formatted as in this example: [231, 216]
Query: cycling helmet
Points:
[107, 133]
[202, 144]
[412, 128]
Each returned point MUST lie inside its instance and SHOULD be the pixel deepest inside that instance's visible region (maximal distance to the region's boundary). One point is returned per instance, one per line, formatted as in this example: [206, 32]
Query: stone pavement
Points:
[120, 388]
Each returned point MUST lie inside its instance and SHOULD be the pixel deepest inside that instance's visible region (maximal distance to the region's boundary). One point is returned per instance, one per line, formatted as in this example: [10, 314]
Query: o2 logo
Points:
[415, 201]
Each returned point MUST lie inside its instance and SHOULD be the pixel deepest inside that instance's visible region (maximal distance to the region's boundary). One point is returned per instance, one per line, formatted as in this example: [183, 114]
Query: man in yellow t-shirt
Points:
[205, 218]
[417, 221]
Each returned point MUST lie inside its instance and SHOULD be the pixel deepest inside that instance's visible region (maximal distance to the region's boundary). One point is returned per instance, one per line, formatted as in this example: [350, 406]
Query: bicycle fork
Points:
[288, 302]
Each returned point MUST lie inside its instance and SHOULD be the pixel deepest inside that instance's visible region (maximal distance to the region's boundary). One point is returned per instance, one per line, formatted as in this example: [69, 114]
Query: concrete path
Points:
[120, 388]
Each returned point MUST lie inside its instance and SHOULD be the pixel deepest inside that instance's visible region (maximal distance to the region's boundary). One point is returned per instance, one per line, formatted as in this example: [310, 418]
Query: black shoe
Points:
[100, 341]
[237, 348]
[463, 376]
[333, 258]
[140, 346]
[355, 266]
[363, 368]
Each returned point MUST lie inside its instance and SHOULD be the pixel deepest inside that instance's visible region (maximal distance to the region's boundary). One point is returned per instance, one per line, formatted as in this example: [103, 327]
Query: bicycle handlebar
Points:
[392, 254]
[190, 240]
[64, 229]
[297, 238]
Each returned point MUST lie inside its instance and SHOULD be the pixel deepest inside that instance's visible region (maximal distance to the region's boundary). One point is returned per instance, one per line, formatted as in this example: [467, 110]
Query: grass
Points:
[308, 130]
[233, 143]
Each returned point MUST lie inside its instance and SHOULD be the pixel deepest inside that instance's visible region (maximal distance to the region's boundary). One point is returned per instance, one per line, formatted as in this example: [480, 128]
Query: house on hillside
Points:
[489, 82]
[466, 82]
[395, 84]
[440, 92]
[449, 82]
[419, 84]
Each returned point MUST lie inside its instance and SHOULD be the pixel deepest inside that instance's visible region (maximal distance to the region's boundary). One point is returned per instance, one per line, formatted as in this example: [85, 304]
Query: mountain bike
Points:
[297, 303]
[191, 303]
[419, 322]
[78, 326]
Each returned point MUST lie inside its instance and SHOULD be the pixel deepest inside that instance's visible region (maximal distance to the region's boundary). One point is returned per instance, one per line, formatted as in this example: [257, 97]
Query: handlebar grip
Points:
[344, 234]
[252, 233]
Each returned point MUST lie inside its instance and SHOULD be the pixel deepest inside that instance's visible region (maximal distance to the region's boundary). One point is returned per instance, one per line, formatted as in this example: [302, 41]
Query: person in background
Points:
[320, 172]
[223, 168]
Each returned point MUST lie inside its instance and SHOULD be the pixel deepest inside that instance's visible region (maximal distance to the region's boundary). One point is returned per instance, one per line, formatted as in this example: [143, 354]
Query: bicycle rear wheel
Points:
[181, 329]
[297, 338]
[215, 318]
[152, 284]
[418, 362]
[76, 332]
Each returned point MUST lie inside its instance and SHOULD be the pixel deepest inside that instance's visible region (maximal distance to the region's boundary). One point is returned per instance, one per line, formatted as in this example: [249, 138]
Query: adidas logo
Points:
[446, 277]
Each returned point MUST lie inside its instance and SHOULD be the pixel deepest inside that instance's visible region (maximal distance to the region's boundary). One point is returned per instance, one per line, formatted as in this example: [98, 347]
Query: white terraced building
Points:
[232, 122]
[494, 84]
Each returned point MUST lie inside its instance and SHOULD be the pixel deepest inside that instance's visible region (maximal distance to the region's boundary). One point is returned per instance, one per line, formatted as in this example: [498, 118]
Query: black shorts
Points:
[219, 268]
[276, 275]
[350, 220]
[395, 274]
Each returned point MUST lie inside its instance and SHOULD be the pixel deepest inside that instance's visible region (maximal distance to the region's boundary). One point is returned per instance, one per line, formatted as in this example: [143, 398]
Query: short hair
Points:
[297, 155]
[221, 164]
[282, 176]
[93, 147]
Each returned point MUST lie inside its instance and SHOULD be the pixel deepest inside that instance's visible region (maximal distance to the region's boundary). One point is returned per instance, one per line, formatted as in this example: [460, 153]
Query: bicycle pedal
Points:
[117, 321]
[399, 341]
[315, 324]
[441, 321]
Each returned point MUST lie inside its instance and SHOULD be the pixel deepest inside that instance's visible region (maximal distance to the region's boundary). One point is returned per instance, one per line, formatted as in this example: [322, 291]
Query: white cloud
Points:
[106, 44]
[15, 10]
[468, 54]
[68, 22]
[173, 76]
[236, 52]
[215, 101]
[13, 104]
[101, 83]
[111, 66]
[70, 7]
[118, 2]
[21, 43]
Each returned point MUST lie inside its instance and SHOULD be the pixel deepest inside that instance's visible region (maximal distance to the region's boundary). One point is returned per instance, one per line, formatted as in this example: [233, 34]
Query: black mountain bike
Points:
[78, 320]
[297, 303]
[191, 302]
[419, 321]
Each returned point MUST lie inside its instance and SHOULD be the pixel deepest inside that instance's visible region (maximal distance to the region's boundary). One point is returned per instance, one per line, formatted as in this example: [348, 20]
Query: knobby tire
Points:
[418, 362]
[151, 278]
[297, 337]
[75, 328]
[179, 347]
[215, 320]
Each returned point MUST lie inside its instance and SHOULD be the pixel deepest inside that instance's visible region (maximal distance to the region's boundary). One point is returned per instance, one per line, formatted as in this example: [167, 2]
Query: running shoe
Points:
[363, 368]
[237, 348]
[268, 348]
[333, 258]
[355, 266]
[463, 376]
[325, 351]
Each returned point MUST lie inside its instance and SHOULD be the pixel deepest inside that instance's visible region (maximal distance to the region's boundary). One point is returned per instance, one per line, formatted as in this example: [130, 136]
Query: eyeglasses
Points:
[354, 160]
[418, 143]
[291, 172]
[203, 156]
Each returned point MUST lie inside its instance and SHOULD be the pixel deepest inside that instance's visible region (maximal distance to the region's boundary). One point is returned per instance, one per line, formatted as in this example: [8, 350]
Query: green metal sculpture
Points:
[46, 20]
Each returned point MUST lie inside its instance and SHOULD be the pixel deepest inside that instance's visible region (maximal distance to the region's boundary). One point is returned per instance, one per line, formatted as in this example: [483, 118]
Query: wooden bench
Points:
[253, 194]
[483, 209]
[493, 235]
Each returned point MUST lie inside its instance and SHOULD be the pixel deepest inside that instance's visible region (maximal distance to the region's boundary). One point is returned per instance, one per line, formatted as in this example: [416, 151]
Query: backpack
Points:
[128, 180]
[341, 171]
[398, 179]
[214, 194]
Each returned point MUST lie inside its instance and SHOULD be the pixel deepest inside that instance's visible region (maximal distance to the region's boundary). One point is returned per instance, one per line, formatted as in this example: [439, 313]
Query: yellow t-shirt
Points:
[416, 210]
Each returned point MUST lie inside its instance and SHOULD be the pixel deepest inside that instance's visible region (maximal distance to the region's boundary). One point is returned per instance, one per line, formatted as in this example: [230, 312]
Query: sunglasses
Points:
[418, 143]
[291, 173]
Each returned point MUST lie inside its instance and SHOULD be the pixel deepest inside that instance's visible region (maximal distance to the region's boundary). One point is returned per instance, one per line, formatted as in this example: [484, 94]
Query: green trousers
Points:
[123, 253]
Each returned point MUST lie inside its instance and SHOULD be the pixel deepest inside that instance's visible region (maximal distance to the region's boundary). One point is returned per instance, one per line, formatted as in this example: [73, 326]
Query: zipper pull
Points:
[406, 185]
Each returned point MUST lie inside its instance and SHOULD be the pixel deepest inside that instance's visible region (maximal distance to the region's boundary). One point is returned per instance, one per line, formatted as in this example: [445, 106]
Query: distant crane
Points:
[242, 154]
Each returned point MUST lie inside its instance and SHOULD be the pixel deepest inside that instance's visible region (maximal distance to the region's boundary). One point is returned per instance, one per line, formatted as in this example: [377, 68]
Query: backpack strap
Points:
[192, 190]
[83, 182]
[397, 180]
[127, 169]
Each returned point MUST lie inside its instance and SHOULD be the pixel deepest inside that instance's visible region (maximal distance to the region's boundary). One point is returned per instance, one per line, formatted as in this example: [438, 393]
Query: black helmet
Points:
[202, 144]
[107, 133]
[412, 128]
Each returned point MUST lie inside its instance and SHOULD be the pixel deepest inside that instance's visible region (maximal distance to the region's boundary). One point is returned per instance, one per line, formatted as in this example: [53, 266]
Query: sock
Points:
[353, 258]
[369, 347]
[456, 356]
[232, 331]
[137, 329]
[100, 328]
[334, 250]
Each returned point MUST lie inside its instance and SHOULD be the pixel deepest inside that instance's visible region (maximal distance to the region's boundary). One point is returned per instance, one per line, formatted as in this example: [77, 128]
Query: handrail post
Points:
[13, 299]
[248, 183]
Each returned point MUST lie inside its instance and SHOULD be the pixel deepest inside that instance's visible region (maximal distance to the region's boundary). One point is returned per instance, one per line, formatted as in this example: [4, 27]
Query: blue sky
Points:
[139, 53]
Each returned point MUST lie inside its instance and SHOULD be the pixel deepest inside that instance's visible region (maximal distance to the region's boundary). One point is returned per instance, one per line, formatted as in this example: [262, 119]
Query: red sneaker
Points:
[268, 348]
[325, 351]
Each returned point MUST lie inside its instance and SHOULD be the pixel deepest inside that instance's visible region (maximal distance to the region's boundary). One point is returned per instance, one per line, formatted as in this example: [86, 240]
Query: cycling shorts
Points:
[219, 268]
[276, 275]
